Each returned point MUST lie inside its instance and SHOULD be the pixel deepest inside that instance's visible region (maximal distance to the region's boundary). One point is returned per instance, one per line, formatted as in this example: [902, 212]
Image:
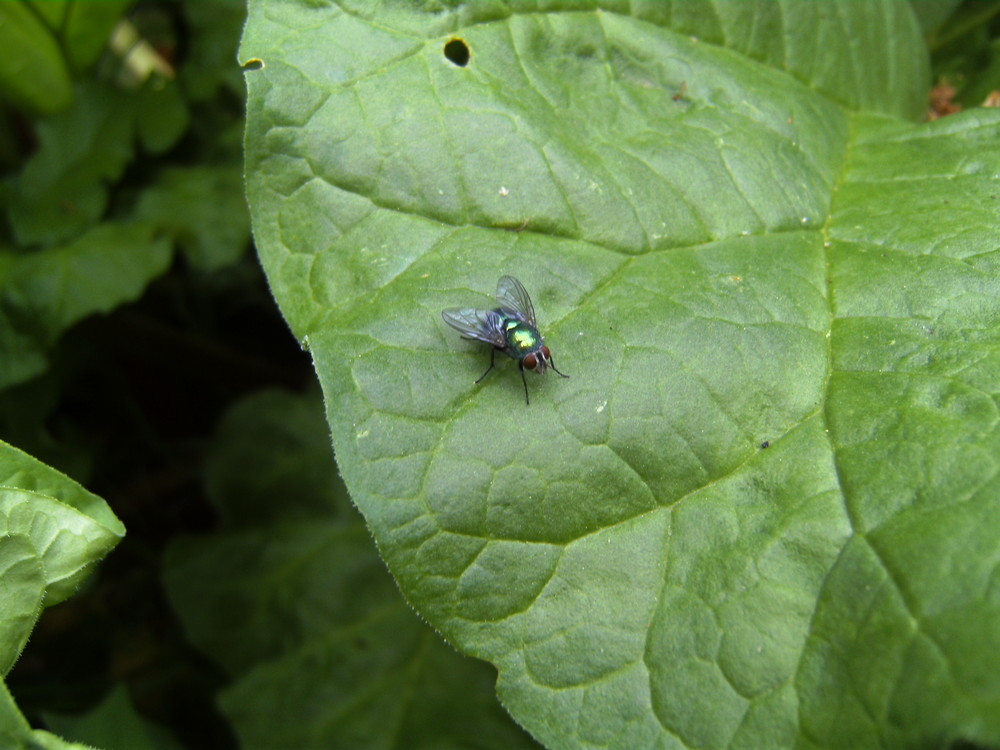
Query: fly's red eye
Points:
[546, 353]
[530, 362]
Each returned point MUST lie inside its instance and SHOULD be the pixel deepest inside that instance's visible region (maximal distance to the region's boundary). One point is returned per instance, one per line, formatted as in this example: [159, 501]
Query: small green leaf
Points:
[88, 27]
[161, 116]
[114, 724]
[33, 73]
[21, 471]
[52, 533]
[67, 537]
[47, 291]
[63, 189]
[14, 728]
[22, 587]
[204, 208]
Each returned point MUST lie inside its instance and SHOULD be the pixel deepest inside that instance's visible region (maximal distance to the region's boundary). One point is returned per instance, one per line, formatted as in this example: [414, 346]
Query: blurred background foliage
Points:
[141, 353]
[133, 314]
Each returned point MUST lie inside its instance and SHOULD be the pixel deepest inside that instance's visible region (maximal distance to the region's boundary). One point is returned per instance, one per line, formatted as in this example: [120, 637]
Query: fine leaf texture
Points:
[51, 532]
[22, 588]
[762, 510]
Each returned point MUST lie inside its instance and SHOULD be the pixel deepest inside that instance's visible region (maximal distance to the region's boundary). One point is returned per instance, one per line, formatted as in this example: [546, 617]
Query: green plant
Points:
[738, 239]
[760, 513]
[113, 160]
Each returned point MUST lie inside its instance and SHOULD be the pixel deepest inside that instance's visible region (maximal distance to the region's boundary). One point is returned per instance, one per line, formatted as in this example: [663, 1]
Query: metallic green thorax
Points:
[521, 338]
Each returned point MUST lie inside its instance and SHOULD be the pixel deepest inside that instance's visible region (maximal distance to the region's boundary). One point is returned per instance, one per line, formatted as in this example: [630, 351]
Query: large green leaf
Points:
[762, 511]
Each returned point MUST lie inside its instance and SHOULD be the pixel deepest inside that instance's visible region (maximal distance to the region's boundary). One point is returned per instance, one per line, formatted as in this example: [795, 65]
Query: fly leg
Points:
[553, 366]
[526, 401]
[493, 353]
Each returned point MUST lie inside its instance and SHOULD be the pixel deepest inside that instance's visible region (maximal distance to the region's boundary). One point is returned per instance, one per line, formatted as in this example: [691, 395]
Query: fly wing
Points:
[482, 325]
[513, 298]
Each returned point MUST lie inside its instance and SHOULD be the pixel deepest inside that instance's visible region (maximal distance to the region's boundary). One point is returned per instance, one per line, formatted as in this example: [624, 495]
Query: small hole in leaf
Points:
[254, 63]
[458, 52]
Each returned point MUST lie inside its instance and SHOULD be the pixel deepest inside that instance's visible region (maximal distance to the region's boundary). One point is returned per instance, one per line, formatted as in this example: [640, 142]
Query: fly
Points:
[509, 328]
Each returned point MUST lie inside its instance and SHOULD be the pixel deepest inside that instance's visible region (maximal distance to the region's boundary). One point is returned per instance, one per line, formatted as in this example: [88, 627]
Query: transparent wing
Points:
[513, 298]
[482, 325]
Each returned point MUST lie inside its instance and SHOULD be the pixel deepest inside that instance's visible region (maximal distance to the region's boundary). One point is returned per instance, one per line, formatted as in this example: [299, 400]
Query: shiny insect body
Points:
[509, 328]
